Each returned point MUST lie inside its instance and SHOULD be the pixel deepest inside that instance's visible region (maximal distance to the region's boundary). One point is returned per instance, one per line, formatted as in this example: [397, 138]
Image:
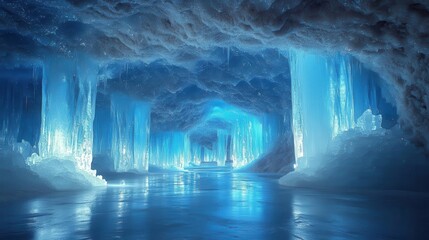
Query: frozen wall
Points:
[329, 94]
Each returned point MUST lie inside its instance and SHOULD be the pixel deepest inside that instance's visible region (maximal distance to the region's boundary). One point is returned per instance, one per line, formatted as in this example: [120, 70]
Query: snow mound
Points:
[381, 160]
[23, 173]
[63, 174]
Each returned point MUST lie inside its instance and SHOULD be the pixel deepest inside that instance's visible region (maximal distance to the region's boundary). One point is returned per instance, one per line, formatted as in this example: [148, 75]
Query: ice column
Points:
[170, 150]
[130, 134]
[329, 94]
[69, 89]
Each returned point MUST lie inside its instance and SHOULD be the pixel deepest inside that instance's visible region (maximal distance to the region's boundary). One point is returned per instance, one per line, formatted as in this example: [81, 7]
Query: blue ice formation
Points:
[329, 95]
[69, 90]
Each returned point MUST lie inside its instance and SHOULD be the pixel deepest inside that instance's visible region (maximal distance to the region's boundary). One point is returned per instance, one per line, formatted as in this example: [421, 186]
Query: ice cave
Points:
[214, 119]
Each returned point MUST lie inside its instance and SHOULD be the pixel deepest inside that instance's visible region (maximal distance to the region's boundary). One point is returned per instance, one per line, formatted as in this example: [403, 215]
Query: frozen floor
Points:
[214, 206]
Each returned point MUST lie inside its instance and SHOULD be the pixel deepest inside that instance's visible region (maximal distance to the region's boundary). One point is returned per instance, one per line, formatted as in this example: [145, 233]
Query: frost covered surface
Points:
[382, 159]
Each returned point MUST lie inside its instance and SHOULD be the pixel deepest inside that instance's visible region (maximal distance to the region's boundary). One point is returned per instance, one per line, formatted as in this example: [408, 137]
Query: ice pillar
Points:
[130, 134]
[69, 89]
[170, 150]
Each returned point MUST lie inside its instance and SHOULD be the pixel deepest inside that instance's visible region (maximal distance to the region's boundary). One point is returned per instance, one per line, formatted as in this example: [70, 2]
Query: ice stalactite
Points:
[329, 94]
[68, 106]
[169, 150]
[130, 134]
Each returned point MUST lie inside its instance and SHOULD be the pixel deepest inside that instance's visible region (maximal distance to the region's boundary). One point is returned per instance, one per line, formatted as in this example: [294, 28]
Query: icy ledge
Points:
[381, 160]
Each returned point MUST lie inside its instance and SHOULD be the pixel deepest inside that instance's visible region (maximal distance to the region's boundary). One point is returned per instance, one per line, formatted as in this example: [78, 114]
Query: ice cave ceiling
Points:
[180, 54]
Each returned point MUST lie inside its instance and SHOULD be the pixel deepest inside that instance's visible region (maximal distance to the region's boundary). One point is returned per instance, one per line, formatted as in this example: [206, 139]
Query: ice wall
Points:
[68, 105]
[329, 94]
[130, 134]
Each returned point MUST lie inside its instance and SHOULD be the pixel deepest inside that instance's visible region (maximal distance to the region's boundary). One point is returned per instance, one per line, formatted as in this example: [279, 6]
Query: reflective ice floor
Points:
[214, 206]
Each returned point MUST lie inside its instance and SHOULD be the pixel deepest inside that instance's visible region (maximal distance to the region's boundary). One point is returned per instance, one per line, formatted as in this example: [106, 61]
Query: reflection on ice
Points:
[213, 205]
